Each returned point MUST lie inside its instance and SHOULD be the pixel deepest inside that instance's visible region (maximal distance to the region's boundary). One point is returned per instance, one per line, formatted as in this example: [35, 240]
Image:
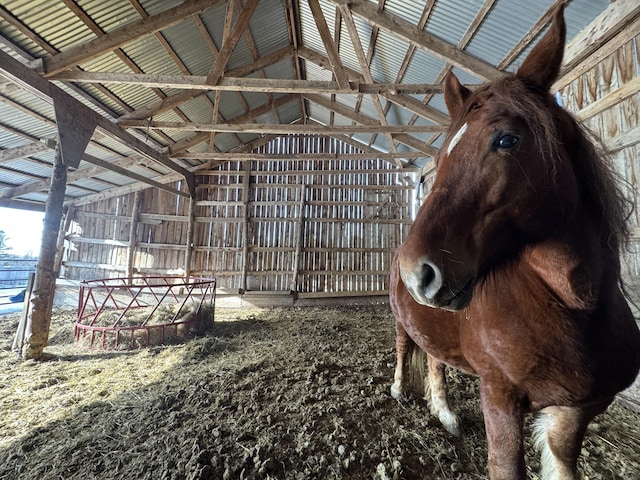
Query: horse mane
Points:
[552, 126]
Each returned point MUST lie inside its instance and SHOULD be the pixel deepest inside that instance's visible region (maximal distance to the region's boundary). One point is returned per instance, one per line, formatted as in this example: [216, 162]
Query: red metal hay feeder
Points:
[143, 310]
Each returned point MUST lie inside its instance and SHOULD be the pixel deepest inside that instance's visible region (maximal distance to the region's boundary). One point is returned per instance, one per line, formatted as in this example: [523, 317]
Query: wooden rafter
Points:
[364, 120]
[238, 84]
[123, 35]
[247, 117]
[282, 128]
[404, 101]
[240, 156]
[329, 45]
[366, 73]
[88, 21]
[230, 43]
[423, 40]
[171, 101]
[466, 38]
[42, 88]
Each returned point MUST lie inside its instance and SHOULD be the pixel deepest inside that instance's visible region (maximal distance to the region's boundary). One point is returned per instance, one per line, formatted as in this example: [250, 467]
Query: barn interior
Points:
[280, 147]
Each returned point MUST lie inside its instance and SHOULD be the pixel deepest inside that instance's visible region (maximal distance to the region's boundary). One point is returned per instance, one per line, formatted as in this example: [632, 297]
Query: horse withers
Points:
[511, 269]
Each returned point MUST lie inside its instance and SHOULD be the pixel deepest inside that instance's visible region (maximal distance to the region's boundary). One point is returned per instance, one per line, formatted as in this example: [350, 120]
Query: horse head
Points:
[504, 179]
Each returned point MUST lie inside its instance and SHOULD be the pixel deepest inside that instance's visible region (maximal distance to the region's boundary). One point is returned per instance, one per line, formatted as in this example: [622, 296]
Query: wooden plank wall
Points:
[318, 227]
[100, 236]
[606, 99]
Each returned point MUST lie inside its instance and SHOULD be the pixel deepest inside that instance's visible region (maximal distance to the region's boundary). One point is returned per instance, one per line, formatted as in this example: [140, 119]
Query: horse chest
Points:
[542, 354]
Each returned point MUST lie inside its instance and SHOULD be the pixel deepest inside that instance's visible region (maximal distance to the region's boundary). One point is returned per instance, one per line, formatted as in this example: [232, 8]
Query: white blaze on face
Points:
[456, 138]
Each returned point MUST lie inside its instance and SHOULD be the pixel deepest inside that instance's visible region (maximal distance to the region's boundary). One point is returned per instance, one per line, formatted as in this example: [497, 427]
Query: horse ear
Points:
[454, 93]
[542, 65]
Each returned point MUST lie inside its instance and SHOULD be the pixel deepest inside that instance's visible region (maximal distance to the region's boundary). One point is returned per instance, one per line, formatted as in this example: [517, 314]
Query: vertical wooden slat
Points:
[133, 229]
[298, 241]
[245, 239]
[190, 233]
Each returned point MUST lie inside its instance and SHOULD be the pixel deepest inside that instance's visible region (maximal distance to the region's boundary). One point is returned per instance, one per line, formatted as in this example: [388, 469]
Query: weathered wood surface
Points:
[326, 226]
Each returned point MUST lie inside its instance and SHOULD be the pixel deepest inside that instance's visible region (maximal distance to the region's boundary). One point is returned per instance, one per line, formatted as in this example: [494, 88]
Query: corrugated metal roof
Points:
[388, 57]
[61, 29]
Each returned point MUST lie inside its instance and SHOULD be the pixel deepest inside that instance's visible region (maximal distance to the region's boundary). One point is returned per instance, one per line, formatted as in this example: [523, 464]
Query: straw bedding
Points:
[287, 393]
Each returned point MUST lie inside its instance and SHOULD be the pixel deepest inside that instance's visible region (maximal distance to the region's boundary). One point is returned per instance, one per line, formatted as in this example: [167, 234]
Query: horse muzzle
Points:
[425, 282]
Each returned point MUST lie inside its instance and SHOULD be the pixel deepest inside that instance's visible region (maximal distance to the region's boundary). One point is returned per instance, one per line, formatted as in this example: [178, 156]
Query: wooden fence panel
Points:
[314, 226]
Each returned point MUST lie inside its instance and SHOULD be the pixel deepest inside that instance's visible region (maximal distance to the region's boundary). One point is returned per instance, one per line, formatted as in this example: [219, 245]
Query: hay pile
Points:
[297, 393]
[146, 326]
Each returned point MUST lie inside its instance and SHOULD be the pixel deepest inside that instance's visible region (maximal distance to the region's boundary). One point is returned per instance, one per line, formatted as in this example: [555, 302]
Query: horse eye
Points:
[505, 142]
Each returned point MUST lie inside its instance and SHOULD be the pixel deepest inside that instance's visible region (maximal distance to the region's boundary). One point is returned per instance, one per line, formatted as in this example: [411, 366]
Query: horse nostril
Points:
[428, 276]
[431, 280]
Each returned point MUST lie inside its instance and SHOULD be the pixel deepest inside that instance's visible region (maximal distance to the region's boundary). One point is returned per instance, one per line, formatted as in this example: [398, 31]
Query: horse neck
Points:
[576, 263]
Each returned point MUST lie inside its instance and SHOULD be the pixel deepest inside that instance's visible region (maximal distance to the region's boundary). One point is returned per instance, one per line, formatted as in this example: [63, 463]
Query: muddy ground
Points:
[287, 393]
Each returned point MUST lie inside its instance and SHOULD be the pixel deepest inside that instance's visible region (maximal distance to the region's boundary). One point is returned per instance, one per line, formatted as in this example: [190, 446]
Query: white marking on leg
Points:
[548, 462]
[456, 138]
[437, 397]
[440, 408]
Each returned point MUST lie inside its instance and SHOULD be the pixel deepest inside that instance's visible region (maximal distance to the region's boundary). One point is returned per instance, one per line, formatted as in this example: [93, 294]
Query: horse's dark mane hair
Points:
[597, 177]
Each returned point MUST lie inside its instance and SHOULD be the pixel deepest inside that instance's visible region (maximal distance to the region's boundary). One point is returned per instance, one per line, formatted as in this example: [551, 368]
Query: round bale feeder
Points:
[135, 312]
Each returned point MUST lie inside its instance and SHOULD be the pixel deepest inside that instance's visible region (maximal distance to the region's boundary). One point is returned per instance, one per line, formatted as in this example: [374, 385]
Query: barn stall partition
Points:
[282, 222]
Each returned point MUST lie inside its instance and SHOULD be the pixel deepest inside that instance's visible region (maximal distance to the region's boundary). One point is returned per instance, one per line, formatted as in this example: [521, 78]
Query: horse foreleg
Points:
[409, 375]
[404, 345]
[503, 420]
[436, 395]
[559, 432]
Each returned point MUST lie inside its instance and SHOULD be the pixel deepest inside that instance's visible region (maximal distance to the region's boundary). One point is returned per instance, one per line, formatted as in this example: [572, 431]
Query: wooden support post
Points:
[190, 232]
[39, 317]
[245, 239]
[133, 237]
[299, 238]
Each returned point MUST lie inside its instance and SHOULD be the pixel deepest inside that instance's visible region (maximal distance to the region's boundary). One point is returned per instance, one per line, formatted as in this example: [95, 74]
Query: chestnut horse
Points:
[511, 270]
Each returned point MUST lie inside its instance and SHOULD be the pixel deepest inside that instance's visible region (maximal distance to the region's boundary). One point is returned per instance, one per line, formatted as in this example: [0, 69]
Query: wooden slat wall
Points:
[161, 233]
[316, 227]
[220, 225]
[617, 125]
[100, 236]
[311, 226]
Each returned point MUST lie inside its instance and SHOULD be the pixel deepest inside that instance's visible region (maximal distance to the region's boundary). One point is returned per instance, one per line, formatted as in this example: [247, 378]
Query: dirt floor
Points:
[287, 393]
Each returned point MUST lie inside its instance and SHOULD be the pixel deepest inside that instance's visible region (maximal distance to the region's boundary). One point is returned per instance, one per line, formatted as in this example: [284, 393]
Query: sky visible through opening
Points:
[23, 231]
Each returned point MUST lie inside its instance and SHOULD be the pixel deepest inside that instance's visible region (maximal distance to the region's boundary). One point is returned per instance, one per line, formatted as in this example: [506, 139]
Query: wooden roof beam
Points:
[614, 27]
[119, 191]
[120, 167]
[230, 43]
[172, 101]
[366, 73]
[400, 28]
[245, 156]
[237, 84]
[283, 129]
[332, 51]
[404, 101]
[127, 33]
[347, 112]
[42, 88]
[198, 138]
[22, 152]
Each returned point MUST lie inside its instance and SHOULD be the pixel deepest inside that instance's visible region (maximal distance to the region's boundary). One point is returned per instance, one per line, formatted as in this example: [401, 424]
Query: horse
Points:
[511, 269]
